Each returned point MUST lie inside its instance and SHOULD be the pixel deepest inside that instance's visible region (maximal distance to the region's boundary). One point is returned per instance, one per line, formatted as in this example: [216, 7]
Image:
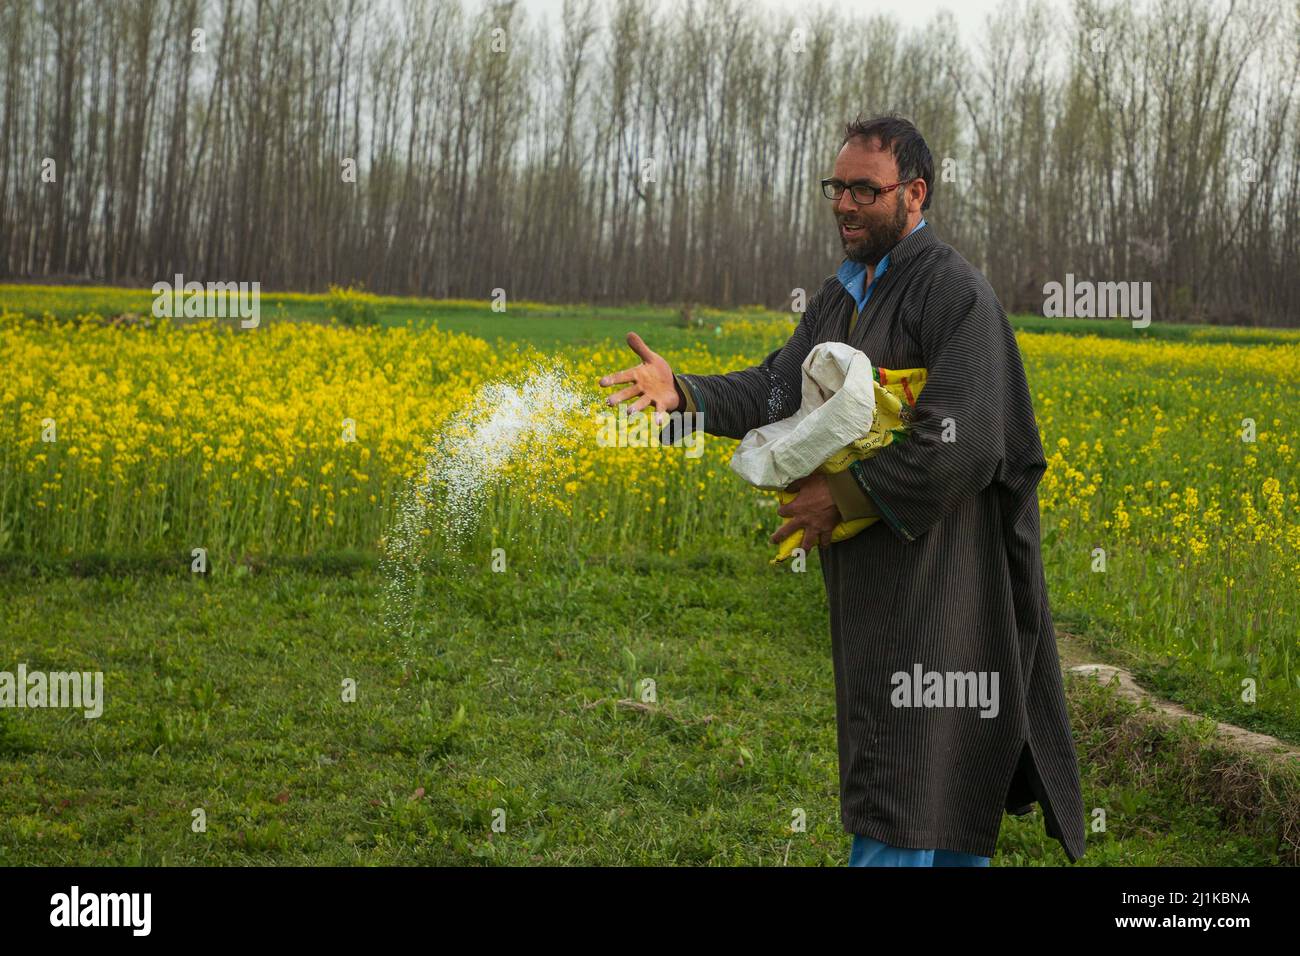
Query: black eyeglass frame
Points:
[830, 190]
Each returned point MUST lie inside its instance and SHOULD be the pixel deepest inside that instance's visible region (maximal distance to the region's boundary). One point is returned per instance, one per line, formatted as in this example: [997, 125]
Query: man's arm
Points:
[975, 395]
[734, 403]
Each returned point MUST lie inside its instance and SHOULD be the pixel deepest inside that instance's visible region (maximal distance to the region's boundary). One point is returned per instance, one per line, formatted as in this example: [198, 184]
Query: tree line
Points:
[641, 151]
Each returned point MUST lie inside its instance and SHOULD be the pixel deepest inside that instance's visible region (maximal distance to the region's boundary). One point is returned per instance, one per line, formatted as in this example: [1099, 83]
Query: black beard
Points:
[878, 238]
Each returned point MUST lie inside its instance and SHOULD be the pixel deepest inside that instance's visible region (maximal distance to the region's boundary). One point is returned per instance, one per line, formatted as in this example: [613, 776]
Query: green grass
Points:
[536, 323]
[550, 325]
[224, 694]
[1157, 330]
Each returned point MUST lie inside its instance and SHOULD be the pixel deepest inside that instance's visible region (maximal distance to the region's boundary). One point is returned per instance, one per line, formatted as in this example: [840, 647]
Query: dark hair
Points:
[902, 139]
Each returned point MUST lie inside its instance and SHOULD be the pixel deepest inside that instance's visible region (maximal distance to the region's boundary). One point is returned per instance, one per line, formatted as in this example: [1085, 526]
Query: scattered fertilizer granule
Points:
[463, 463]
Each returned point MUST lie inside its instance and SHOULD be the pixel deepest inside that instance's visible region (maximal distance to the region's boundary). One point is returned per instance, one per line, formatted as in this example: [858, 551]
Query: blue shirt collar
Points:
[853, 275]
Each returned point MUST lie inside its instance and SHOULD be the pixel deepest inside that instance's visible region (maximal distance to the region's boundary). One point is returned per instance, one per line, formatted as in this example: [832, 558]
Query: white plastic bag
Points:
[837, 408]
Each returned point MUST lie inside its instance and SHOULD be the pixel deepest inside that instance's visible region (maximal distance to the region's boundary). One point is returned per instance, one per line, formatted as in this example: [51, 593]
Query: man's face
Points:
[868, 232]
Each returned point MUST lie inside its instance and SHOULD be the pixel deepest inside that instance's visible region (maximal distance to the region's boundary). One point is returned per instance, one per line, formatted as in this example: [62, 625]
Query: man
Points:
[949, 703]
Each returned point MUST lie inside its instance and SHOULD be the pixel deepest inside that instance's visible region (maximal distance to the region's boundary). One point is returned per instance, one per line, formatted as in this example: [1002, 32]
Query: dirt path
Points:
[1077, 657]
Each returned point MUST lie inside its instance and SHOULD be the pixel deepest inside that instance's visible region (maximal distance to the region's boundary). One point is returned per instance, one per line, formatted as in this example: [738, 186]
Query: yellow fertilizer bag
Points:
[894, 390]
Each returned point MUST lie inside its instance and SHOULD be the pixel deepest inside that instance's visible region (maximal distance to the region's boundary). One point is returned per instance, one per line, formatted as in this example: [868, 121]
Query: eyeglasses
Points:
[864, 194]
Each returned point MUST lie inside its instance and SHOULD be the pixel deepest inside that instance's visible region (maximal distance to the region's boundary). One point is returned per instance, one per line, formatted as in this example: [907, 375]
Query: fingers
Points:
[639, 347]
[783, 532]
[618, 378]
[659, 417]
[639, 404]
[811, 538]
[623, 395]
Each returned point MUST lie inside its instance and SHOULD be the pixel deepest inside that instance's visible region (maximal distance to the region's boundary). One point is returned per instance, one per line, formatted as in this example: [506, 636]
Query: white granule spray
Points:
[464, 462]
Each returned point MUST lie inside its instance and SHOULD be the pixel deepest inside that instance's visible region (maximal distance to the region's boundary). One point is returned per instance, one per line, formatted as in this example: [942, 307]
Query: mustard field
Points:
[1170, 507]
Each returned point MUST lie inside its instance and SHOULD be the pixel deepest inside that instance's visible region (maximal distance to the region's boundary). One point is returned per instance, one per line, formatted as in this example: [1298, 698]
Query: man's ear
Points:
[916, 192]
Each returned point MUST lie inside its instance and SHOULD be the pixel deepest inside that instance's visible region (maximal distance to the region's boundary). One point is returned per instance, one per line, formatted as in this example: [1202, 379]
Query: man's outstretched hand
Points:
[813, 510]
[652, 380]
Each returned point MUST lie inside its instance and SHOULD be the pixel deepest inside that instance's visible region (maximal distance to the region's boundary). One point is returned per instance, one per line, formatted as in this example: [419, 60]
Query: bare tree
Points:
[643, 151]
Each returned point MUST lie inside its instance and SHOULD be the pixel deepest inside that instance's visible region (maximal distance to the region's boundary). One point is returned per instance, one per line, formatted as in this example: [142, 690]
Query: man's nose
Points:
[845, 205]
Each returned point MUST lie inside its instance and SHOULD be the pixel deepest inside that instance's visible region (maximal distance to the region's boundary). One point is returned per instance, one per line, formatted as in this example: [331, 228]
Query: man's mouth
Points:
[851, 231]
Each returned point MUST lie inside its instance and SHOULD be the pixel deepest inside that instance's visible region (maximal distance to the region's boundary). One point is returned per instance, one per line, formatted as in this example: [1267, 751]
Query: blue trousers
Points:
[869, 852]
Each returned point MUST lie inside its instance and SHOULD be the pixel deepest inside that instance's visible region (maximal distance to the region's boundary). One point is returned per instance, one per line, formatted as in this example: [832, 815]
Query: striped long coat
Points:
[949, 581]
